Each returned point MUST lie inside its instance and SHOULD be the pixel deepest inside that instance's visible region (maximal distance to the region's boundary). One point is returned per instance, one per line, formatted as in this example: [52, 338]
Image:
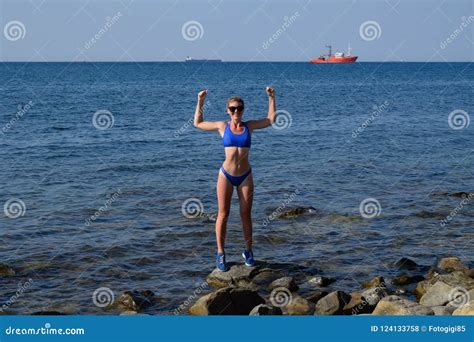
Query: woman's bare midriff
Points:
[236, 160]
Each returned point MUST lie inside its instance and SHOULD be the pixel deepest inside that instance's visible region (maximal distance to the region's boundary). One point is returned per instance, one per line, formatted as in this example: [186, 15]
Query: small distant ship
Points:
[338, 57]
[190, 59]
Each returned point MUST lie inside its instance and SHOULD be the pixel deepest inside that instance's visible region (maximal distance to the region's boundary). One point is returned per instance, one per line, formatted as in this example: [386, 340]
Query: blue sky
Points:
[145, 30]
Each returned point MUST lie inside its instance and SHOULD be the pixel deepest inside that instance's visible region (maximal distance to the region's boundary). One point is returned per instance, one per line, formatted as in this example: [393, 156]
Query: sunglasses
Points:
[233, 109]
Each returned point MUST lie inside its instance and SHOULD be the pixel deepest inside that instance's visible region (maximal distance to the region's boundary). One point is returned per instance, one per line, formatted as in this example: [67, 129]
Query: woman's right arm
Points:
[198, 115]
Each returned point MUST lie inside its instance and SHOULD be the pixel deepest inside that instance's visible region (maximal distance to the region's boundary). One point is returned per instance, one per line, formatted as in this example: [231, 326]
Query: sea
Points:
[106, 185]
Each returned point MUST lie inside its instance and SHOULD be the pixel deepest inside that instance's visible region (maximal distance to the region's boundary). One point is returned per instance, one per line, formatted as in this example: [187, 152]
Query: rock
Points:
[470, 273]
[466, 309]
[266, 276]
[321, 281]
[442, 310]
[438, 294]
[461, 194]
[400, 291]
[460, 296]
[227, 301]
[314, 296]
[375, 294]
[450, 264]
[332, 304]
[135, 300]
[295, 212]
[265, 310]
[132, 313]
[6, 270]
[421, 288]
[454, 279]
[48, 313]
[376, 281]
[397, 306]
[405, 279]
[237, 275]
[405, 264]
[286, 282]
[299, 306]
[357, 305]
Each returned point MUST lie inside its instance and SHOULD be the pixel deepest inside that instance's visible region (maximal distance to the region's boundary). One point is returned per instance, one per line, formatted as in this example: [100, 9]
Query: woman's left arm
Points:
[270, 119]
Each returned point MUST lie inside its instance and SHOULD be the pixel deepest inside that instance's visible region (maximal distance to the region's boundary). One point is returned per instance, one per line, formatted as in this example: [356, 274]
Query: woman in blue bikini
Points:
[235, 171]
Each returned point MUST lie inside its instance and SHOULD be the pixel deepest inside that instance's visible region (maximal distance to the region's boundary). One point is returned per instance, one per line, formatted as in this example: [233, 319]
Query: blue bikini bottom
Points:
[235, 180]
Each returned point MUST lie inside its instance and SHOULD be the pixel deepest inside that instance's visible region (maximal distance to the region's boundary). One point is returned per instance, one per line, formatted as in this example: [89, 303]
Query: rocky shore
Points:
[445, 288]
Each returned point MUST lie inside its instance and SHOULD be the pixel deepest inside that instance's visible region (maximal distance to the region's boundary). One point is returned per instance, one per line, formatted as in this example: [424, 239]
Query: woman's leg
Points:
[245, 192]
[224, 196]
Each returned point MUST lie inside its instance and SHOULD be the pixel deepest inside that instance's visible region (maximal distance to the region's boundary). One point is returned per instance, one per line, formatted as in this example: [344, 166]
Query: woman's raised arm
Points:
[263, 123]
[198, 115]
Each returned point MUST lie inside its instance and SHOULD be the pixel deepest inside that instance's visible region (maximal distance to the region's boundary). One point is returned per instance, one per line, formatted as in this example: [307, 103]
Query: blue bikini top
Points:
[231, 139]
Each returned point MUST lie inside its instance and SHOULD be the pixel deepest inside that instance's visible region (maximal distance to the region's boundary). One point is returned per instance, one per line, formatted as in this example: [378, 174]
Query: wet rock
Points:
[450, 264]
[320, 281]
[132, 313]
[237, 275]
[265, 310]
[314, 296]
[208, 218]
[397, 306]
[6, 270]
[332, 304]
[295, 212]
[466, 309]
[357, 305]
[438, 294]
[375, 294]
[227, 301]
[405, 264]
[299, 306]
[461, 194]
[442, 310]
[421, 288]
[400, 291]
[405, 279]
[286, 282]
[135, 300]
[376, 281]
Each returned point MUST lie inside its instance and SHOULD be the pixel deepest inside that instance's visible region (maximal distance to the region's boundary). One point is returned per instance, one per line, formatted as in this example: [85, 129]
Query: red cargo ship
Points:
[338, 57]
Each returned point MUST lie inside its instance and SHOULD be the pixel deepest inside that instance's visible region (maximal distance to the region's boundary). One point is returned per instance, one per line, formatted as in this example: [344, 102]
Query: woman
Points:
[235, 171]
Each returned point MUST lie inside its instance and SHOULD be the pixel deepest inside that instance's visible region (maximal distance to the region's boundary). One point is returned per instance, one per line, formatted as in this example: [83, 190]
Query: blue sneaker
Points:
[248, 256]
[220, 262]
